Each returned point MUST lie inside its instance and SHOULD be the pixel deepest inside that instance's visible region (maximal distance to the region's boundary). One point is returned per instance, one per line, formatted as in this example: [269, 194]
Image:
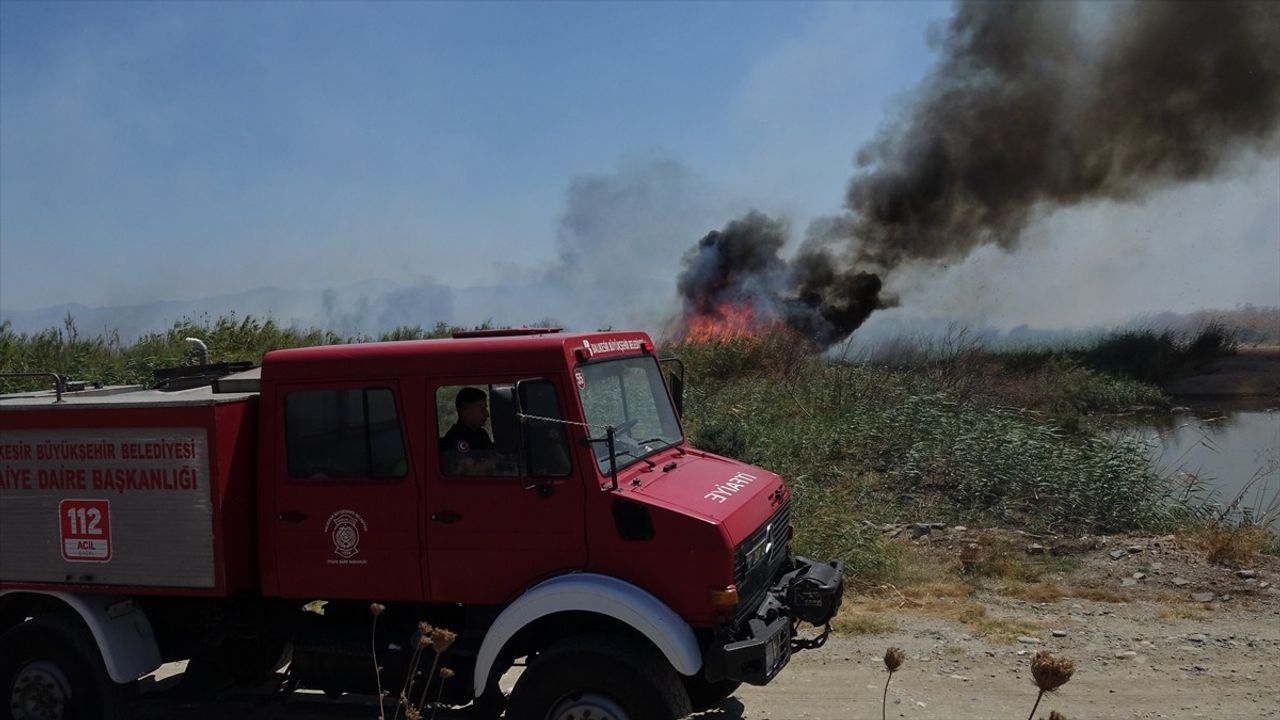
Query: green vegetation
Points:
[962, 436]
[1146, 356]
[956, 434]
[105, 359]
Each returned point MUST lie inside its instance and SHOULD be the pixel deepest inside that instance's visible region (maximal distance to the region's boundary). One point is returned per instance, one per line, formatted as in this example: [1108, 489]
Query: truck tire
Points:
[50, 669]
[705, 695]
[490, 705]
[604, 677]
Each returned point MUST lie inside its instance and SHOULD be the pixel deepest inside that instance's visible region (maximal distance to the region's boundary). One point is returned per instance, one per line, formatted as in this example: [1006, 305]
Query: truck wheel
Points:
[705, 695]
[490, 705]
[50, 669]
[603, 677]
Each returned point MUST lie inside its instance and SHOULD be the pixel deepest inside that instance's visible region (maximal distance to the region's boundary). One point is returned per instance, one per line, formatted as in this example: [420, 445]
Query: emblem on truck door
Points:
[344, 527]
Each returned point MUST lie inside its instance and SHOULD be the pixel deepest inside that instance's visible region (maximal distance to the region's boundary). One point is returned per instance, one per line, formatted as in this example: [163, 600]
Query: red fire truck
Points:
[239, 517]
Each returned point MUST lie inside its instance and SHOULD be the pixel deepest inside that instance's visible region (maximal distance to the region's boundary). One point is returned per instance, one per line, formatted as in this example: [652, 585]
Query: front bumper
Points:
[754, 651]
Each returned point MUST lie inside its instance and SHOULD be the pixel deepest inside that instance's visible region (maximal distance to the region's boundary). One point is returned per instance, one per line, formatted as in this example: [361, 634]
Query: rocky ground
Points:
[1154, 632]
[1211, 571]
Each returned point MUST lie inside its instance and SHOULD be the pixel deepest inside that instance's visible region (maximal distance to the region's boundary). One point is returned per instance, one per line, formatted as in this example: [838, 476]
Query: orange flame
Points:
[726, 323]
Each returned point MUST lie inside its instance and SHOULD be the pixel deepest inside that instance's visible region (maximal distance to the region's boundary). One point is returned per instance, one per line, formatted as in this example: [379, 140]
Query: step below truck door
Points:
[346, 520]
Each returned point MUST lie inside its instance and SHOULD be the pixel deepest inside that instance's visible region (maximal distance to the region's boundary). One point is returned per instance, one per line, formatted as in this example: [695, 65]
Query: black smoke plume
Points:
[741, 266]
[1034, 106]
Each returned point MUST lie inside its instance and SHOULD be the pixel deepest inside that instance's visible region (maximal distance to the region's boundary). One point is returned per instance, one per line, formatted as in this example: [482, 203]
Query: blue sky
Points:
[179, 150]
[137, 137]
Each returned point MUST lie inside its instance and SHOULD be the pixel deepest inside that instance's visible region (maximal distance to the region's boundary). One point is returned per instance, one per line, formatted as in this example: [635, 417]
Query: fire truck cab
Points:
[240, 518]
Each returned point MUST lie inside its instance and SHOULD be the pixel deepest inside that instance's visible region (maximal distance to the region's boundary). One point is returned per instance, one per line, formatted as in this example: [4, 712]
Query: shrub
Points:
[722, 438]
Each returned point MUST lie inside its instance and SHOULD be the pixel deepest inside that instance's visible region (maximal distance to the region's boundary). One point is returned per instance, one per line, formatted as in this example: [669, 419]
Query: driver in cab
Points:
[467, 448]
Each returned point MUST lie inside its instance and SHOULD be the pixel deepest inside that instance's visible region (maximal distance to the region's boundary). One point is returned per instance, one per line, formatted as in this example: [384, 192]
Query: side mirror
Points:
[675, 381]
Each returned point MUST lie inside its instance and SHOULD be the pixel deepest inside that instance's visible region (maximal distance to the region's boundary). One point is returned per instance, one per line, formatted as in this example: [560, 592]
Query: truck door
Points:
[346, 503]
[496, 525]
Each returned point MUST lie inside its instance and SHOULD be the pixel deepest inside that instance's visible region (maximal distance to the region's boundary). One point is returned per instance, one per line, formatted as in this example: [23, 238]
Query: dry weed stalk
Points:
[893, 658]
[376, 609]
[406, 691]
[905, 600]
[445, 674]
[1049, 674]
[438, 640]
[441, 640]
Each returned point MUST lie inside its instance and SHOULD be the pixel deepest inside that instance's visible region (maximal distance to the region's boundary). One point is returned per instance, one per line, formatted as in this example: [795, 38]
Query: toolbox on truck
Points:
[142, 490]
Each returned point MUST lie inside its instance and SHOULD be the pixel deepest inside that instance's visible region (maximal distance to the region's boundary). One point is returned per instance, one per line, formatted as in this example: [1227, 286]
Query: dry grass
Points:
[991, 556]
[1047, 592]
[1182, 611]
[1229, 546]
[976, 617]
[936, 589]
[856, 620]
[1034, 592]
[1179, 605]
[920, 575]
[923, 566]
[1000, 629]
[949, 599]
[1099, 595]
[887, 598]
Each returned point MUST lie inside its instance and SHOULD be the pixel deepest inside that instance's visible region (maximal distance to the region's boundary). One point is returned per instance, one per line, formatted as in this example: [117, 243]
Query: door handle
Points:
[293, 516]
[445, 516]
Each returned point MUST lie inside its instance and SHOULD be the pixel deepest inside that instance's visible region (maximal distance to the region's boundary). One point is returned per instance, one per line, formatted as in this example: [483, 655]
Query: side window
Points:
[478, 430]
[481, 435]
[339, 434]
[546, 440]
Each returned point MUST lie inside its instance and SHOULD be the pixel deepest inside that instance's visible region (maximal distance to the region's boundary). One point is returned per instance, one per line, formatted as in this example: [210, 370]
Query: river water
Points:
[1231, 451]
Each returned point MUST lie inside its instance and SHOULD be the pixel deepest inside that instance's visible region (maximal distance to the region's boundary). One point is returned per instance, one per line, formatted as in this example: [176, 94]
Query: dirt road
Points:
[1134, 660]
[1222, 664]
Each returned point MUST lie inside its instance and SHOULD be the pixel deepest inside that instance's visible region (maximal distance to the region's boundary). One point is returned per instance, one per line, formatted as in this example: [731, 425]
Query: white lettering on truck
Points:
[720, 493]
[110, 495]
[612, 346]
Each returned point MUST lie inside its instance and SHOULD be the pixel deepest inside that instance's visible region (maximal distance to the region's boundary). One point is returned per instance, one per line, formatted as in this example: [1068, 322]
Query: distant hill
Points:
[368, 307]
[376, 306]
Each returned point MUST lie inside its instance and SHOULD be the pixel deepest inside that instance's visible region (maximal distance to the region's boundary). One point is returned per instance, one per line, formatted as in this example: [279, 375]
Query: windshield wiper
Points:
[632, 453]
[665, 443]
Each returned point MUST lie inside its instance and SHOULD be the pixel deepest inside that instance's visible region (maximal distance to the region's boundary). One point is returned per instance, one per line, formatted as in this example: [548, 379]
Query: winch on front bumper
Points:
[756, 648]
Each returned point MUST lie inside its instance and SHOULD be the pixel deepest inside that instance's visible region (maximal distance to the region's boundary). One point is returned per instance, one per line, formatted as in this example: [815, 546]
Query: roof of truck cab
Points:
[447, 356]
[457, 357]
[119, 396]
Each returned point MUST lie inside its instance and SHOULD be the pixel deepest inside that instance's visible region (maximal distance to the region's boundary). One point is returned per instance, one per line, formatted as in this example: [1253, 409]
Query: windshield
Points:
[628, 394]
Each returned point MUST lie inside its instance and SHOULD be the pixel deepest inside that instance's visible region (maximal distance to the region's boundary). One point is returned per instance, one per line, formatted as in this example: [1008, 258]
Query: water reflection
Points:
[1230, 451]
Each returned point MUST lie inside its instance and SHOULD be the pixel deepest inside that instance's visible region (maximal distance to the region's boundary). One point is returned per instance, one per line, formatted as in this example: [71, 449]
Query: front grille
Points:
[756, 560]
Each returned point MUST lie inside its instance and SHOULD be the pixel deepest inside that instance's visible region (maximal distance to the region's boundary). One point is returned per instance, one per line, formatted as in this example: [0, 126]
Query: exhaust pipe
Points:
[198, 345]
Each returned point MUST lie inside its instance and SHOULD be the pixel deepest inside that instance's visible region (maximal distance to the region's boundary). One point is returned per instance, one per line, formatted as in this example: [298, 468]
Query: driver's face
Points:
[474, 414]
